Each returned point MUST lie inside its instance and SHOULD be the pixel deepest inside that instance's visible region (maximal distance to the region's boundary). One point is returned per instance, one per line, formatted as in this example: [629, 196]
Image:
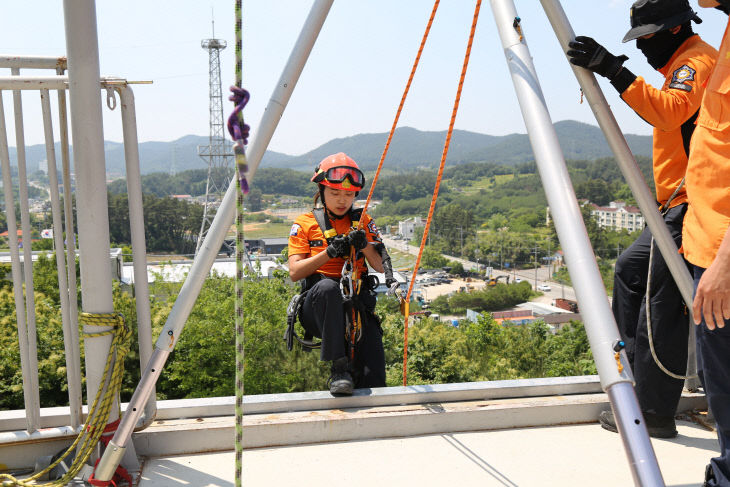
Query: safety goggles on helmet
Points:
[339, 174]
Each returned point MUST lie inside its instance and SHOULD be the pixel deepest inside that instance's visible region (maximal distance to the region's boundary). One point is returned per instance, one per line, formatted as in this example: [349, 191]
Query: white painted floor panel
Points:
[576, 455]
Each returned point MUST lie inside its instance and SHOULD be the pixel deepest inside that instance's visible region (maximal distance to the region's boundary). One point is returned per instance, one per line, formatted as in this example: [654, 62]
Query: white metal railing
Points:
[22, 265]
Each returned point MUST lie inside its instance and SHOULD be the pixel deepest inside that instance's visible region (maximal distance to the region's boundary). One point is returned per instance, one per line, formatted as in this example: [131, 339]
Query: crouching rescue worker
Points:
[663, 33]
[336, 308]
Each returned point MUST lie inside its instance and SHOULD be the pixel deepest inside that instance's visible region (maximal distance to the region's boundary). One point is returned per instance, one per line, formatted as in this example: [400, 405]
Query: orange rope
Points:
[400, 108]
[436, 188]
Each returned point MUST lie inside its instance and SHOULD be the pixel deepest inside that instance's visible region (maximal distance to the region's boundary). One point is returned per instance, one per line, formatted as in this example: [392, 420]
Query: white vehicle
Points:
[543, 287]
[517, 279]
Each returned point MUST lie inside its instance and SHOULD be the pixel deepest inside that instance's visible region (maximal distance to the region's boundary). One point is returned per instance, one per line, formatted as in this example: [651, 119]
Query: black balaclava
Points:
[660, 47]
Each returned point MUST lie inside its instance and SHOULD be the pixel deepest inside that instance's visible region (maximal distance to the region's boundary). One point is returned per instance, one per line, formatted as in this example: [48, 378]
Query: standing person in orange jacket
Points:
[663, 32]
[707, 246]
[319, 244]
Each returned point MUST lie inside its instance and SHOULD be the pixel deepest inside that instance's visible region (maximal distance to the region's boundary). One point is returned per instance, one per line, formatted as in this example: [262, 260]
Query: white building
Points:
[408, 227]
[618, 216]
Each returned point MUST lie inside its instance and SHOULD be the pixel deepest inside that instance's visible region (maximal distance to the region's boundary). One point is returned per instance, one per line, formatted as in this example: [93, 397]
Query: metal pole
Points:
[75, 395]
[600, 325]
[632, 173]
[214, 239]
[70, 242]
[34, 62]
[32, 414]
[88, 143]
[139, 248]
[27, 248]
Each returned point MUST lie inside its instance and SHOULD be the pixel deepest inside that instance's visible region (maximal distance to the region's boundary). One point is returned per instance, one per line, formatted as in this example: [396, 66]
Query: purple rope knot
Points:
[239, 132]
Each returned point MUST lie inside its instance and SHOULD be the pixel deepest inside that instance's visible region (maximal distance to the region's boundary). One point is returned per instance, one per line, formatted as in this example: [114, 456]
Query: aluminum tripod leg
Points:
[632, 174]
[213, 240]
[600, 325]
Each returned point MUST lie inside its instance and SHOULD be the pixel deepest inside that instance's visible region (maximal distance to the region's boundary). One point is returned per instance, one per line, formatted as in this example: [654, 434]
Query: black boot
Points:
[710, 479]
[657, 426]
[340, 380]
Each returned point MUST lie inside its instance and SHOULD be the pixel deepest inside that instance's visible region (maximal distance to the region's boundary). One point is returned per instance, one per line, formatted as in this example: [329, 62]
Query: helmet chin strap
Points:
[335, 216]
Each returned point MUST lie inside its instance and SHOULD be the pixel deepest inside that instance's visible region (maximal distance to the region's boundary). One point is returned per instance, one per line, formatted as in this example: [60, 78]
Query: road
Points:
[543, 272]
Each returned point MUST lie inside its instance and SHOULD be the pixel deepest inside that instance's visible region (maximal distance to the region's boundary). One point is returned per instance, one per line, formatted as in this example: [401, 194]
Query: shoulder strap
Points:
[324, 224]
[355, 216]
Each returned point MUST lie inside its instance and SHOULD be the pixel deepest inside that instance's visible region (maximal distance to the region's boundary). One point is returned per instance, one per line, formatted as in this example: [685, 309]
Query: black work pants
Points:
[323, 315]
[713, 367]
[657, 392]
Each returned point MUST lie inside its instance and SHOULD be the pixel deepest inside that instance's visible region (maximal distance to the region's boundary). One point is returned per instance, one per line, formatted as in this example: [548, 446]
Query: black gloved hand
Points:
[340, 247]
[587, 53]
[358, 239]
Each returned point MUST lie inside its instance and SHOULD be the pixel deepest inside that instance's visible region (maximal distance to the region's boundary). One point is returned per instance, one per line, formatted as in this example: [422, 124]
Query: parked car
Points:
[543, 287]
[517, 280]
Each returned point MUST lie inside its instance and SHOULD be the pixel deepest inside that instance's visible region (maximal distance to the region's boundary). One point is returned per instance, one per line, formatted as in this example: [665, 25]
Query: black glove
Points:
[358, 239]
[587, 53]
[340, 247]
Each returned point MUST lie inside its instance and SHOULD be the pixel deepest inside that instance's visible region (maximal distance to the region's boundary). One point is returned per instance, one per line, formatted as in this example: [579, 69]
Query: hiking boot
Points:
[340, 380]
[657, 426]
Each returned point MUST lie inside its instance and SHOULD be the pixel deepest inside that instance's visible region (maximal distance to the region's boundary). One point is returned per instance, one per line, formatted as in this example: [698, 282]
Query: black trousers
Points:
[323, 316]
[657, 392]
[713, 367]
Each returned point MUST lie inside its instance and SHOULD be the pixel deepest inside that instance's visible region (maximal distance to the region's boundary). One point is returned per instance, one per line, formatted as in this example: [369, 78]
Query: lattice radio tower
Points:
[218, 153]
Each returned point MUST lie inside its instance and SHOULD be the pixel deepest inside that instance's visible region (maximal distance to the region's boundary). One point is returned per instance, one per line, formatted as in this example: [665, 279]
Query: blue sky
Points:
[356, 73]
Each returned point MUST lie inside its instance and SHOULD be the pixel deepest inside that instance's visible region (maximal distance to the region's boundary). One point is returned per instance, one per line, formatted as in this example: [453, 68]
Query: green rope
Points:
[240, 249]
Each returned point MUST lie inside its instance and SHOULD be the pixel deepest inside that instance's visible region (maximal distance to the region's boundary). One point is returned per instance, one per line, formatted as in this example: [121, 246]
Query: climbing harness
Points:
[95, 428]
[349, 288]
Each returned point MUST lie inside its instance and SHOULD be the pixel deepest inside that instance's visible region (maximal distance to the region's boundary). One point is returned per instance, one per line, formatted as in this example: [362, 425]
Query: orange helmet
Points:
[339, 171]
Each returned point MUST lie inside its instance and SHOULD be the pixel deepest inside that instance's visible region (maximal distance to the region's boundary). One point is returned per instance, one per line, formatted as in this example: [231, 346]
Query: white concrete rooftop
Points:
[569, 455]
[526, 432]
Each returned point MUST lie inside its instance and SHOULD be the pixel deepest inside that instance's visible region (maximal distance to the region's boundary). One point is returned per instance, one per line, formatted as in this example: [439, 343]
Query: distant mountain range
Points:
[410, 148]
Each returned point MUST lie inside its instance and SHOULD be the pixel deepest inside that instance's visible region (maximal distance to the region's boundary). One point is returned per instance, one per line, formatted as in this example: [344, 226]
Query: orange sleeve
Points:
[299, 237]
[668, 108]
[371, 231]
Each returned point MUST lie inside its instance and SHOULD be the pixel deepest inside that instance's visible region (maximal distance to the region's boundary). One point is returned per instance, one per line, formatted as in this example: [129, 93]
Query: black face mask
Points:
[660, 47]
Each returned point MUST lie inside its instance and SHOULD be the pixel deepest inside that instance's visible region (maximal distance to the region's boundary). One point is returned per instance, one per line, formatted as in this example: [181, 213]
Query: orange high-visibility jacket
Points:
[308, 239]
[708, 169]
[672, 111]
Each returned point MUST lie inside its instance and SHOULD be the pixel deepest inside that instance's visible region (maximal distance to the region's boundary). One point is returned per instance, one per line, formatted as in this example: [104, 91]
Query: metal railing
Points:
[63, 224]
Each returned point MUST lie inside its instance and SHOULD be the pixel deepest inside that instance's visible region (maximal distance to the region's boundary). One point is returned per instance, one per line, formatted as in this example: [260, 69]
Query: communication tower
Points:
[218, 153]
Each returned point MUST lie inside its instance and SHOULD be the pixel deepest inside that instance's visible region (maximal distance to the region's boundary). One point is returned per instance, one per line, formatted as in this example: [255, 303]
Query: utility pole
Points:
[535, 267]
[550, 261]
[461, 240]
[218, 152]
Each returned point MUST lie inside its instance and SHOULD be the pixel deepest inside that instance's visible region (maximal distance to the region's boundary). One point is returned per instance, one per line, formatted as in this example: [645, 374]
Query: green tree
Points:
[254, 199]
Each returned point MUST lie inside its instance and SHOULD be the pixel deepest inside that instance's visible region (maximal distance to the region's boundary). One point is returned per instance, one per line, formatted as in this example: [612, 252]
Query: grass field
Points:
[484, 183]
[267, 230]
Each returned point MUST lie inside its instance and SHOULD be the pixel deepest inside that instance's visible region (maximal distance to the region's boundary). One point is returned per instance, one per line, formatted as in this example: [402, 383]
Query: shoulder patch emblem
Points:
[294, 230]
[681, 76]
[374, 231]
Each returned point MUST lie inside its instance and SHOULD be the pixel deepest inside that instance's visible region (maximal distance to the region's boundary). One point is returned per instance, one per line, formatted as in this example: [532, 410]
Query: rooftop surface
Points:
[570, 455]
[511, 433]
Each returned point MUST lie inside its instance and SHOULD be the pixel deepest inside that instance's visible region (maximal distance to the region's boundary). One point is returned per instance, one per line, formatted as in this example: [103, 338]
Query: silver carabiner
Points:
[346, 286]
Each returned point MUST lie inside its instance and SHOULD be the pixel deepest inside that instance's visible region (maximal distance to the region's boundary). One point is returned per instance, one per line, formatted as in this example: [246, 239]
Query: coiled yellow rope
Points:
[101, 407]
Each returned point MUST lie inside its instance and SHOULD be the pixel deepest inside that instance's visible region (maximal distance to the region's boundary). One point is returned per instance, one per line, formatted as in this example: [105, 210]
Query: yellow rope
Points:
[101, 407]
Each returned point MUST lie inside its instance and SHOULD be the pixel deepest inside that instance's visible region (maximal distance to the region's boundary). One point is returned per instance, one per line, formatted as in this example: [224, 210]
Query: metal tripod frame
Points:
[600, 324]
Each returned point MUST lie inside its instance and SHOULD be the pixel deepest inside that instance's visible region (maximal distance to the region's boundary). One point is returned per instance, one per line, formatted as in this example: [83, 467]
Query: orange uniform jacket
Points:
[708, 170]
[671, 111]
[307, 238]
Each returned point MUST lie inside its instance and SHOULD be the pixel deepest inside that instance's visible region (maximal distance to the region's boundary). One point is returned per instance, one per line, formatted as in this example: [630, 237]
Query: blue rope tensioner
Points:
[239, 132]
